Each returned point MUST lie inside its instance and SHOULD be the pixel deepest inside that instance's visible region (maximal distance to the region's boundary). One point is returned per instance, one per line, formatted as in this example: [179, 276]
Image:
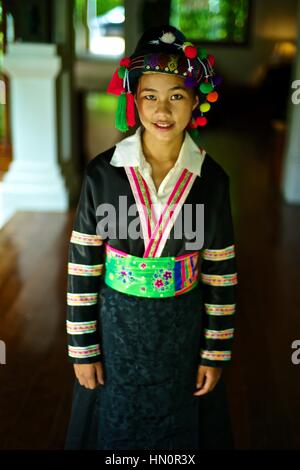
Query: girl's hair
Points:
[134, 86]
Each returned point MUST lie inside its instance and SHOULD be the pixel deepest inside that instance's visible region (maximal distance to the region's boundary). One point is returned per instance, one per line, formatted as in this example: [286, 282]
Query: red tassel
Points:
[130, 110]
[115, 86]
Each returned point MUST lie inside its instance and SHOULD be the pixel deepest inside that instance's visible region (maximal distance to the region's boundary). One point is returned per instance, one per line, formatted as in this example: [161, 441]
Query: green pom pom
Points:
[206, 88]
[121, 71]
[202, 54]
[194, 133]
[121, 122]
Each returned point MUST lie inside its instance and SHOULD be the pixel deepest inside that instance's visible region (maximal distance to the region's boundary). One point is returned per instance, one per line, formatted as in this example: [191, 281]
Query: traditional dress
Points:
[154, 307]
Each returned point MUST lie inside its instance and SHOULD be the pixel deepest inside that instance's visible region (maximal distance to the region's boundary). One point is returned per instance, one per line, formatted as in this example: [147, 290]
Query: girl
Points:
[151, 282]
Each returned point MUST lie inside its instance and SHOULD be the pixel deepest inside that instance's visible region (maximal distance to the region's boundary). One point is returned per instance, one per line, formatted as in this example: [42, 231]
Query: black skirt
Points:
[150, 357]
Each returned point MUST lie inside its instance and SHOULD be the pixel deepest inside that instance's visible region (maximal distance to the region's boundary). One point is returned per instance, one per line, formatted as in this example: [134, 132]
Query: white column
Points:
[33, 181]
[291, 170]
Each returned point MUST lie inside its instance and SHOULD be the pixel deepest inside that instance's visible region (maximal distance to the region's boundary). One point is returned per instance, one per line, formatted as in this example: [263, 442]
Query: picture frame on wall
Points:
[217, 22]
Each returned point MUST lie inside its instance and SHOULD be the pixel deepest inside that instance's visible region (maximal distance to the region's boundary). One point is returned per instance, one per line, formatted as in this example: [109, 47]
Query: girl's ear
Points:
[196, 102]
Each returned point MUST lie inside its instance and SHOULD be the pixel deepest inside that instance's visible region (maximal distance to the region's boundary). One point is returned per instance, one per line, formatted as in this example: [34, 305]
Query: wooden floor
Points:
[263, 384]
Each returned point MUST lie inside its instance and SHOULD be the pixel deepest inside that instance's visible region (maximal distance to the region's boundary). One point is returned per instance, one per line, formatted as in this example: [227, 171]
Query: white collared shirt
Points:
[129, 152]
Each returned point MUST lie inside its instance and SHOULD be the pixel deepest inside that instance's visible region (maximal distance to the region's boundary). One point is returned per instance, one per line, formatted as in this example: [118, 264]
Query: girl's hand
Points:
[89, 375]
[207, 378]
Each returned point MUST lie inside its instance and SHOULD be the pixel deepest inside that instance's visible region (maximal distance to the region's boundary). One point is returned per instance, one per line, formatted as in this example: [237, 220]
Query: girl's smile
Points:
[164, 126]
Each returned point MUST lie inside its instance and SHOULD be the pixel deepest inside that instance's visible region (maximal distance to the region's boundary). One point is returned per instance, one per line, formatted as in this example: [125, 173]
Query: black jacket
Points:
[104, 183]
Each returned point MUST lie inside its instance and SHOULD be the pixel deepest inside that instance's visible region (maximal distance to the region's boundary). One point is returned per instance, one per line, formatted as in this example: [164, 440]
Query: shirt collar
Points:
[129, 152]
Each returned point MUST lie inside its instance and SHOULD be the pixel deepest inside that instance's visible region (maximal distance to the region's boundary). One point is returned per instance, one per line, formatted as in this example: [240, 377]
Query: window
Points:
[218, 21]
[99, 27]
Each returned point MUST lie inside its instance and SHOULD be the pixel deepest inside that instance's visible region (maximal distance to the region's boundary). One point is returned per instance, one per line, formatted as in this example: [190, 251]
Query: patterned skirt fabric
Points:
[150, 352]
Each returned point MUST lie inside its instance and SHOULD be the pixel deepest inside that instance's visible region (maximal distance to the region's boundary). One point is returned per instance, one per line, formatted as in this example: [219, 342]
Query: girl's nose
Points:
[163, 108]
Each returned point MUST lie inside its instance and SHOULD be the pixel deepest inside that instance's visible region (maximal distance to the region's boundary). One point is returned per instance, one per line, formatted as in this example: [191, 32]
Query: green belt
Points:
[150, 277]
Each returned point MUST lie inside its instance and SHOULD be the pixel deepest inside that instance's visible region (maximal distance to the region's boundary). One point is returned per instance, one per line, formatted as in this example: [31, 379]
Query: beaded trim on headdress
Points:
[194, 65]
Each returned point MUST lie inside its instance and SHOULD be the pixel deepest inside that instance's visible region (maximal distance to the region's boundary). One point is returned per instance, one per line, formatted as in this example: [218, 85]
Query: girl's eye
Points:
[153, 97]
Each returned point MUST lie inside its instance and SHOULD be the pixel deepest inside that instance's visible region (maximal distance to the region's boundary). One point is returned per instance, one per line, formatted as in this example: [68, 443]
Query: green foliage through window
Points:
[211, 20]
[103, 6]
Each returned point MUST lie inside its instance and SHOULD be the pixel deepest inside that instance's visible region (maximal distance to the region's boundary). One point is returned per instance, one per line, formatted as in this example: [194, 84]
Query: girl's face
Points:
[164, 104]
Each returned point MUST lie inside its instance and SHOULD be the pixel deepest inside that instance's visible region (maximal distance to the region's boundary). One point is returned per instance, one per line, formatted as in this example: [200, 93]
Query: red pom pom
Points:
[211, 60]
[201, 121]
[130, 111]
[190, 52]
[192, 124]
[115, 86]
[125, 62]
